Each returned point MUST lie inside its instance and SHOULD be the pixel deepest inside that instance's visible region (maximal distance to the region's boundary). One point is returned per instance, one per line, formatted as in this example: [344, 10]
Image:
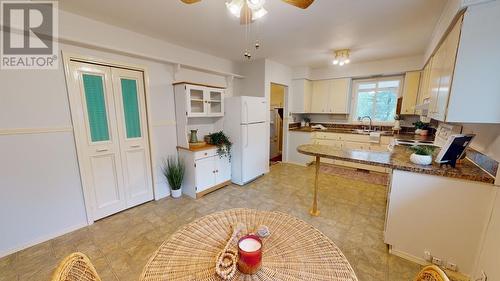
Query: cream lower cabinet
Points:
[351, 141]
[205, 171]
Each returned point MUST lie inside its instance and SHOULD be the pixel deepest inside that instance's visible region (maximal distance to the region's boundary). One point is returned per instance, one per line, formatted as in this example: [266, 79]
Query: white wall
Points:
[40, 188]
[490, 254]
[365, 69]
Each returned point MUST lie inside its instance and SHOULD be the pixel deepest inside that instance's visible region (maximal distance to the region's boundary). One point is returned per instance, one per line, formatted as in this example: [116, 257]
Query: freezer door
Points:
[254, 109]
[254, 151]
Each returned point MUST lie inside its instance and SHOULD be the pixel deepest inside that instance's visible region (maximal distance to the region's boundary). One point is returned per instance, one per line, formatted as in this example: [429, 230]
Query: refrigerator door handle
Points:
[246, 141]
[245, 106]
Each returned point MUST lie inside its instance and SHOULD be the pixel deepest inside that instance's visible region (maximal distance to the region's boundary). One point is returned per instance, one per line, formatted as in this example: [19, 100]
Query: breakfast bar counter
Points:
[398, 159]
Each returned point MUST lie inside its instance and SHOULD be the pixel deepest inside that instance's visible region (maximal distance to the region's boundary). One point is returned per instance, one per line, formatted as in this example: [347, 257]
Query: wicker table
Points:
[295, 250]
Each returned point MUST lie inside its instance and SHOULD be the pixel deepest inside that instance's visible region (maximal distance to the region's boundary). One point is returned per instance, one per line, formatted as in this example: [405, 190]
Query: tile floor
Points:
[352, 215]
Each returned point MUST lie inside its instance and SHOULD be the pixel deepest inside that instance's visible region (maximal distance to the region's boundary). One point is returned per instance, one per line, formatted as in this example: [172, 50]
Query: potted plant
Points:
[173, 169]
[422, 154]
[307, 120]
[421, 128]
[222, 142]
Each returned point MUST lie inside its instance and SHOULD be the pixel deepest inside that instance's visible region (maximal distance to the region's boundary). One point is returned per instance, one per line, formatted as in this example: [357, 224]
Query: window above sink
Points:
[376, 98]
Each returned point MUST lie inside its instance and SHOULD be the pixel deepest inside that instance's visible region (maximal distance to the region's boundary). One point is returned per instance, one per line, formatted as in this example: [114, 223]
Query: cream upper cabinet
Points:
[446, 56]
[301, 95]
[331, 96]
[410, 92]
[319, 97]
[463, 78]
[340, 90]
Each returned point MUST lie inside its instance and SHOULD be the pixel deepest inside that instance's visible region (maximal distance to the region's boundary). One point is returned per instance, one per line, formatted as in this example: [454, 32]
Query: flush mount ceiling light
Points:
[342, 57]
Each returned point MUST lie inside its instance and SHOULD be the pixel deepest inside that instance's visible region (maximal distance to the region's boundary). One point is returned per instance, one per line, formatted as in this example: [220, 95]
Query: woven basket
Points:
[294, 251]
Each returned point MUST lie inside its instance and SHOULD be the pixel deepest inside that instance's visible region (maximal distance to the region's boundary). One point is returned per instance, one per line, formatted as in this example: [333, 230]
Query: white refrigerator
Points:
[245, 122]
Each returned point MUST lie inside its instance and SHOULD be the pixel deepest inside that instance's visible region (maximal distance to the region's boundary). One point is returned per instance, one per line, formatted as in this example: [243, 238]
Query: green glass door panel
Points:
[96, 107]
[131, 108]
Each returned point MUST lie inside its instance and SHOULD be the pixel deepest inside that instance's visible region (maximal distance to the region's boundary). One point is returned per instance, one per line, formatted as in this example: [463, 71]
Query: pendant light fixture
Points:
[342, 57]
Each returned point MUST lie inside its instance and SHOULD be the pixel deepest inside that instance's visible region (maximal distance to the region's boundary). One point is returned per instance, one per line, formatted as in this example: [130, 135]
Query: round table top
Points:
[295, 250]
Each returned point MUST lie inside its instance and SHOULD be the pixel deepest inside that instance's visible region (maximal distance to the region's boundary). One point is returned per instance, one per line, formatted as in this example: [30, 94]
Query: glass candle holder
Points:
[250, 254]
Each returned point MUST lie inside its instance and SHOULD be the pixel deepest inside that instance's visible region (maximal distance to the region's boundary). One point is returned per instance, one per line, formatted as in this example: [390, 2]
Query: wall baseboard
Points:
[408, 256]
[6, 252]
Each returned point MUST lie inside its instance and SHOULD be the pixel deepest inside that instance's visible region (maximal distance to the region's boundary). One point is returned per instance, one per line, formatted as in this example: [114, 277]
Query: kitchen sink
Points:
[367, 132]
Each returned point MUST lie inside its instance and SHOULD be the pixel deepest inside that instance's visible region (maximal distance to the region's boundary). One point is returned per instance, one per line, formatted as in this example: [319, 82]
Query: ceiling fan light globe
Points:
[347, 61]
[335, 61]
[234, 7]
[341, 63]
[259, 13]
[255, 4]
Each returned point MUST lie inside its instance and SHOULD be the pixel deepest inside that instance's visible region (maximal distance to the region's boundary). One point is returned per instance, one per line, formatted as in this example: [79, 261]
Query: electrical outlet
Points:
[437, 261]
[428, 256]
[451, 266]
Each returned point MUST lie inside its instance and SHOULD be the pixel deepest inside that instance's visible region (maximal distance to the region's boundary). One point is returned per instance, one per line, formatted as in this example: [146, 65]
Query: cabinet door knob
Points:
[206, 153]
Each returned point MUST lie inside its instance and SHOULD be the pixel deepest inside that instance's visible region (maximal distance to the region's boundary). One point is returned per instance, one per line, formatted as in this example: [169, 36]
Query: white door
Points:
[254, 109]
[222, 169]
[196, 101]
[255, 151]
[205, 173]
[130, 106]
[215, 101]
[113, 178]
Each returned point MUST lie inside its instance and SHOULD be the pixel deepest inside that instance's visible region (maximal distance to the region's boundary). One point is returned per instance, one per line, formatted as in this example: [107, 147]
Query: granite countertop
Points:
[197, 148]
[398, 159]
[401, 136]
[335, 130]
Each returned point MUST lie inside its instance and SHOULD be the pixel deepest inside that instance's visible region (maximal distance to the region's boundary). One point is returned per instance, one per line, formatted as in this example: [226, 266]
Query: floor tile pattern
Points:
[352, 215]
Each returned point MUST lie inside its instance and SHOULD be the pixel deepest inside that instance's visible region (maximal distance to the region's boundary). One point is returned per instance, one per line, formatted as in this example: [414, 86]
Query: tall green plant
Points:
[173, 169]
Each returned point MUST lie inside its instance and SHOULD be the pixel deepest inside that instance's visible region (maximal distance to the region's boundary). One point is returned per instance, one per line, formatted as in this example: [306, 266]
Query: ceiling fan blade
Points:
[245, 14]
[190, 1]
[303, 4]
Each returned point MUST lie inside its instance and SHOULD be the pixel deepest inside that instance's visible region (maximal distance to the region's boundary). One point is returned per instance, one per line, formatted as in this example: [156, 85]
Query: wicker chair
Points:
[431, 273]
[76, 267]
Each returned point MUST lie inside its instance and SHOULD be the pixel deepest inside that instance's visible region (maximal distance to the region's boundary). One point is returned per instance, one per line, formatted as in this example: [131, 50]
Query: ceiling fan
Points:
[249, 10]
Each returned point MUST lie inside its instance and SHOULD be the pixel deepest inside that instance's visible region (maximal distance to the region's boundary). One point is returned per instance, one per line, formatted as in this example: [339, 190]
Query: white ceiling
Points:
[372, 29]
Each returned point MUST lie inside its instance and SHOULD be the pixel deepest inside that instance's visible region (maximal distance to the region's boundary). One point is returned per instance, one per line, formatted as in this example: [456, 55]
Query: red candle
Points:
[250, 254]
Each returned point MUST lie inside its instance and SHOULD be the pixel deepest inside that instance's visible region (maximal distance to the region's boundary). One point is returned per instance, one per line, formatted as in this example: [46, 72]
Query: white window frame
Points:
[354, 96]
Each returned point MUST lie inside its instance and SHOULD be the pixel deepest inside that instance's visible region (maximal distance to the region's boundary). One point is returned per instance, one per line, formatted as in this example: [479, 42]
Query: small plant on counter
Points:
[307, 120]
[423, 149]
[222, 142]
[173, 169]
[422, 154]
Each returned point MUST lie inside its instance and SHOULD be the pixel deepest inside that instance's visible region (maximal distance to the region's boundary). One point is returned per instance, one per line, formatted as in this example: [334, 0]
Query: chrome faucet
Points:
[361, 119]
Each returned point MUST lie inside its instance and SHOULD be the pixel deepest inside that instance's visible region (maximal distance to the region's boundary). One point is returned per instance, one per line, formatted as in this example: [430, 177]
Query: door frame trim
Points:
[68, 57]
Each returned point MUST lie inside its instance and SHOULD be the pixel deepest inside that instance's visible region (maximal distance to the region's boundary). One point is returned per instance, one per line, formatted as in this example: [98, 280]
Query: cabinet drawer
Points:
[205, 153]
[327, 136]
[355, 137]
